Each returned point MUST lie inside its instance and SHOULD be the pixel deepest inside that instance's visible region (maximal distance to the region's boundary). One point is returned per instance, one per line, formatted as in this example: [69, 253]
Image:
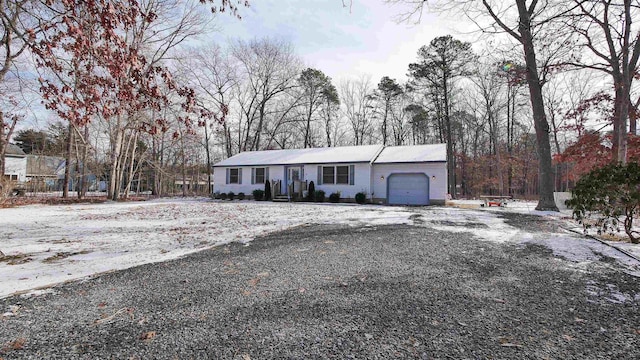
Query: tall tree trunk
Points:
[116, 149]
[67, 167]
[511, 109]
[384, 122]
[546, 201]
[633, 117]
[208, 153]
[451, 171]
[3, 146]
[184, 172]
[307, 127]
[154, 166]
[131, 173]
[620, 116]
[122, 163]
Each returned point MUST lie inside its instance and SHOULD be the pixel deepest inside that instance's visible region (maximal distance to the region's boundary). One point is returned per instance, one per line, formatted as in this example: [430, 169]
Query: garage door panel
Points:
[408, 189]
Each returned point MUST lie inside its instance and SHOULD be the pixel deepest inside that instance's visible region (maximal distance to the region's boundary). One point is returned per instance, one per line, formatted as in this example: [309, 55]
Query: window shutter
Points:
[319, 175]
[352, 171]
[239, 175]
[302, 173]
[228, 175]
[266, 174]
[253, 175]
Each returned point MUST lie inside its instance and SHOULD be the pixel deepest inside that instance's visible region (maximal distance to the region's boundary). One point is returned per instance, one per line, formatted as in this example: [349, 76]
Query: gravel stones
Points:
[339, 292]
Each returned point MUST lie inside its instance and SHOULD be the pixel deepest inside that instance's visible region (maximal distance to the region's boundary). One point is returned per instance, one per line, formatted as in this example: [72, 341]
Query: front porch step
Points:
[280, 198]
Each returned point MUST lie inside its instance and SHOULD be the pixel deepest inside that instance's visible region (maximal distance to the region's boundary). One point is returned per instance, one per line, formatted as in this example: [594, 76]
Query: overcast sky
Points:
[341, 42]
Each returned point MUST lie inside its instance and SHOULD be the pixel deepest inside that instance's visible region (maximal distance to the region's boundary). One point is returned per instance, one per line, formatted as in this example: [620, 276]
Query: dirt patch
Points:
[9, 202]
[64, 255]
[28, 200]
[468, 224]
[417, 219]
[464, 206]
[533, 223]
[16, 259]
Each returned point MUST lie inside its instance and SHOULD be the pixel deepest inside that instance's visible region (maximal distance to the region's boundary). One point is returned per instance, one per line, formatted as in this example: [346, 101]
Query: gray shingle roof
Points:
[413, 153]
[15, 150]
[344, 154]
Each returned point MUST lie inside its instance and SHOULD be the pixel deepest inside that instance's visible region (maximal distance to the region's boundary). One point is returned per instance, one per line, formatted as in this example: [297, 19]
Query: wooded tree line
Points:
[141, 107]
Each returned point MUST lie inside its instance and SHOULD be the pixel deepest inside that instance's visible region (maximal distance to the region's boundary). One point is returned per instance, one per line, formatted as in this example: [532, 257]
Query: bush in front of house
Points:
[231, 195]
[311, 195]
[258, 194]
[334, 197]
[267, 190]
[222, 196]
[319, 196]
[216, 195]
[361, 198]
[241, 196]
[608, 198]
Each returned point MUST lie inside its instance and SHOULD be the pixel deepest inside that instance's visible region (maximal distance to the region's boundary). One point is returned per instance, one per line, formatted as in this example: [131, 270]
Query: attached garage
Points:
[408, 189]
[410, 175]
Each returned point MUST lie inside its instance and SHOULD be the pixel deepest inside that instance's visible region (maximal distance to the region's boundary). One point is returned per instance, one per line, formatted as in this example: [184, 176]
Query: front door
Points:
[293, 174]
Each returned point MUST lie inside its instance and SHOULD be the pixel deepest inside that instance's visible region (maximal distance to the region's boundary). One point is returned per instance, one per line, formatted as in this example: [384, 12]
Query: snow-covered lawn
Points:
[45, 245]
[528, 207]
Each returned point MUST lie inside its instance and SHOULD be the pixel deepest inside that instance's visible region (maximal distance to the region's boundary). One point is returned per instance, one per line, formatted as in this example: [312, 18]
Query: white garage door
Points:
[408, 189]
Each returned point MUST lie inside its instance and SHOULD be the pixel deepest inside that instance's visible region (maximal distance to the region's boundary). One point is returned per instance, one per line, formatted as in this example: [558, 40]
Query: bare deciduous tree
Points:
[358, 106]
[268, 69]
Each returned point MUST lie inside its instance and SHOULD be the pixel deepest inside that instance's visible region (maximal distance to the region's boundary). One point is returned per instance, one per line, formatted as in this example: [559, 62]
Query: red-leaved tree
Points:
[95, 67]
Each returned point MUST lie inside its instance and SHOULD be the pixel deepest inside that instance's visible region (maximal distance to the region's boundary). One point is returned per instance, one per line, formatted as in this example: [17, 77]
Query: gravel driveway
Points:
[344, 293]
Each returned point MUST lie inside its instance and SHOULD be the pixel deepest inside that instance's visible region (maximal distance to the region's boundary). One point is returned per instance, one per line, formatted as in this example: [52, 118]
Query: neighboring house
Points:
[44, 172]
[15, 168]
[401, 175]
[192, 184]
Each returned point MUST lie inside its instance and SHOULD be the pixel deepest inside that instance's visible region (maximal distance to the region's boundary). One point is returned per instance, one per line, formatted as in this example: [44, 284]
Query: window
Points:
[259, 175]
[342, 174]
[328, 173]
[234, 176]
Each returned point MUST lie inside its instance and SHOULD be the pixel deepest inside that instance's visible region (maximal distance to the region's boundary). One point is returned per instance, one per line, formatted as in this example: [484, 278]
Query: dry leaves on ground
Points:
[16, 344]
[148, 335]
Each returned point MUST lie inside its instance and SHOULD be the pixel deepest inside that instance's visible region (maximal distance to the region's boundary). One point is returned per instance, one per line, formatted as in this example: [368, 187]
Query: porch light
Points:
[433, 177]
[382, 177]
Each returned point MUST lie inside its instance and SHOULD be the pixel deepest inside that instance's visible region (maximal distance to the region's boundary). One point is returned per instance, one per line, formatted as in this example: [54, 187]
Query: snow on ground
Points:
[517, 206]
[485, 225]
[46, 245]
[560, 245]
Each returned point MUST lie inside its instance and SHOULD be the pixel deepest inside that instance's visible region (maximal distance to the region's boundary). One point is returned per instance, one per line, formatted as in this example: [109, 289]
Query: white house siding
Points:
[361, 182]
[16, 166]
[437, 185]
[220, 179]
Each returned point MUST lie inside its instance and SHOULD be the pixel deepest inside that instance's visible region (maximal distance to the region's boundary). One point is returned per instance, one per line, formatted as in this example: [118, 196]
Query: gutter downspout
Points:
[375, 157]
